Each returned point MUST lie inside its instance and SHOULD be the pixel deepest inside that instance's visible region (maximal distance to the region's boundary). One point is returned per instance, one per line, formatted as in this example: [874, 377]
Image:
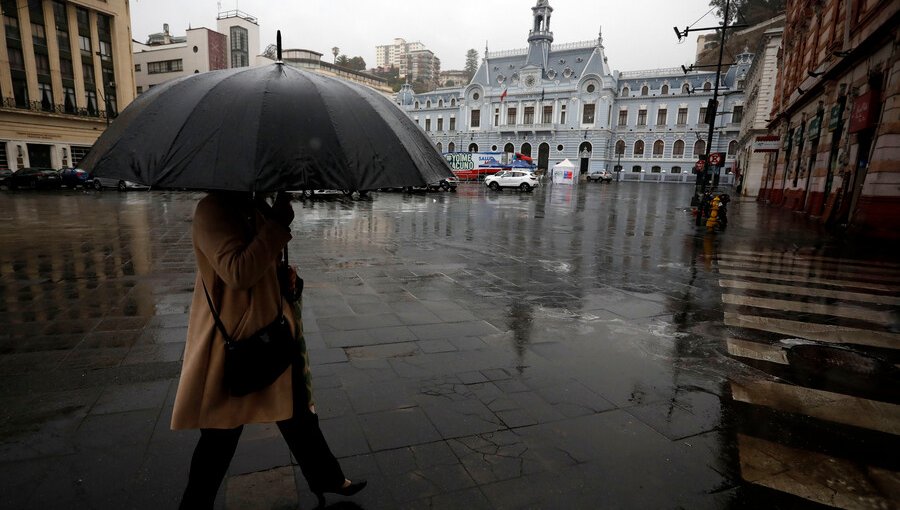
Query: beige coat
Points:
[239, 271]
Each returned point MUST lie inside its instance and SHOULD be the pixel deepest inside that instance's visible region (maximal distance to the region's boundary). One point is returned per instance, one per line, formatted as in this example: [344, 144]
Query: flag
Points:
[542, 94]
[503, 95]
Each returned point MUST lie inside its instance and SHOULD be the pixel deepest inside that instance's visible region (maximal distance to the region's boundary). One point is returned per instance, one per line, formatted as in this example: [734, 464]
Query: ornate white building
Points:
[563, 101]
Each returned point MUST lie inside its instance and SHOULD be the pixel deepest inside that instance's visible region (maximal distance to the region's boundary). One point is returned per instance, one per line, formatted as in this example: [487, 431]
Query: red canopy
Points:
[521, 156]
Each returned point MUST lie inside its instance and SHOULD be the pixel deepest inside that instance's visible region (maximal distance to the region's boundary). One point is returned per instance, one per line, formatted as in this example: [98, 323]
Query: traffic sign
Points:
[716, 159]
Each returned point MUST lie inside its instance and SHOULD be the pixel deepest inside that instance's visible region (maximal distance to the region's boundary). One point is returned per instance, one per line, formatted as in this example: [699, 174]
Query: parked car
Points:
[36, 178]
[4, 175]
[446, 184]
[105, 182]
[74, 177]
[525, 181]
[599, 176]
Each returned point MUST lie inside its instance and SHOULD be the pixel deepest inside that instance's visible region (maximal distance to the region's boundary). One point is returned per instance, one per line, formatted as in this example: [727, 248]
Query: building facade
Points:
[759, 91]
[836, 112]
[556, 102]
[423, 65]
[453, 78]
[234, 43]
[65, 69]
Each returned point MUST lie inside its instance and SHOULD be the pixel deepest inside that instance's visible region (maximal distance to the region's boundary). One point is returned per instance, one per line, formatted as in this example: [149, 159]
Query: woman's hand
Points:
[282, 210]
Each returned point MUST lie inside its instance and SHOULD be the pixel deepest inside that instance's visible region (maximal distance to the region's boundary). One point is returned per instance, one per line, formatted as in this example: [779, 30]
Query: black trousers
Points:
[301, 432]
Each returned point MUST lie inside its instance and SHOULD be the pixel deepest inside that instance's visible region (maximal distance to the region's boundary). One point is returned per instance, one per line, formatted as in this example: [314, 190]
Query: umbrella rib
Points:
[194, 108]
[345, 163]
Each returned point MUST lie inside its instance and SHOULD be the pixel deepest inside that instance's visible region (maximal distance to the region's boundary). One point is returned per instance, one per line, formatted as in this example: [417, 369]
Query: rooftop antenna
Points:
[278, 47]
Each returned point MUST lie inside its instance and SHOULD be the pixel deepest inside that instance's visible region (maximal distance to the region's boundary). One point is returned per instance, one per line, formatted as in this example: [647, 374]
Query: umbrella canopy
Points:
[265, 129]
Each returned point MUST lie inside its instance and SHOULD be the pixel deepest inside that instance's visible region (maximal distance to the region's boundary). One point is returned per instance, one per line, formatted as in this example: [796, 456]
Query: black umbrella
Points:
[265, 129]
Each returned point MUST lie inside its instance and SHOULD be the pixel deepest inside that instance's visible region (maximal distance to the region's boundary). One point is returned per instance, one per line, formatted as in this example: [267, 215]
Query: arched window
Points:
[636, 168]
[699, 148]
[473, 147]
[678, 149]
[645, 90]
[676, 170]
[440, 147]
[440, 103]
[707, 87]
[686, 89]
[664, 91]
[416, 105]
[620, 147]
[625, 91]
[451, 147]
[639, 148]
[656, 170]
[509, 148]
[428, 104]
[453, 101]
[526, 149]
[658, 148]
[732, 147]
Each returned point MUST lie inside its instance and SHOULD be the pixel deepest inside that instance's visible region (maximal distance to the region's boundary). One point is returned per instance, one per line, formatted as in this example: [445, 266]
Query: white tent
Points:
[564, 172]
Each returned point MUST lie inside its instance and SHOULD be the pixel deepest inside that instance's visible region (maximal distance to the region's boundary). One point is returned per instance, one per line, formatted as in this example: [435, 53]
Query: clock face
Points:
[529, 81]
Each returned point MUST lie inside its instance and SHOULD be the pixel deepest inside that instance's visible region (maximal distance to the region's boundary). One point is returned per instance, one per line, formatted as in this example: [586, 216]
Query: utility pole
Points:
[713, 105]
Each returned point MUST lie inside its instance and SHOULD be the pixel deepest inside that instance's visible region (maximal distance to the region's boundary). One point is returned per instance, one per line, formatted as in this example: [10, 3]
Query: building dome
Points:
[405, 96]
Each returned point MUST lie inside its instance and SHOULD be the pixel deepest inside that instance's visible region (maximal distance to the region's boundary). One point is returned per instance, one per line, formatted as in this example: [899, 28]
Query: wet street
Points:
[583, 347]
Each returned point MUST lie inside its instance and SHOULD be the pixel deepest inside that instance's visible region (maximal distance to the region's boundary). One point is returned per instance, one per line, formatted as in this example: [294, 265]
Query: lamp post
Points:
[618, 165]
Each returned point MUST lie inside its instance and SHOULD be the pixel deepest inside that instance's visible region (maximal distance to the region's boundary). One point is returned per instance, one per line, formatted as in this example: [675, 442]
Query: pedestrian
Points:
[237, 243]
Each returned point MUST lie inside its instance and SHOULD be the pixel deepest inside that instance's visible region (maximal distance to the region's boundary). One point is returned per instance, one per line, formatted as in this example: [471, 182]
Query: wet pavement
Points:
[581, 347]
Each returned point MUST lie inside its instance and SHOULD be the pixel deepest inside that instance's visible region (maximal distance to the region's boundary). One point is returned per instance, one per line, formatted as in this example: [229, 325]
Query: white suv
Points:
[523, 180]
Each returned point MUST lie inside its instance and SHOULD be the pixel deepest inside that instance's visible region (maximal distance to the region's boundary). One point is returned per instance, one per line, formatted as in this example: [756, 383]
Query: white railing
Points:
[556, 47]
[666, 71]
[577, 45]
[506, 53]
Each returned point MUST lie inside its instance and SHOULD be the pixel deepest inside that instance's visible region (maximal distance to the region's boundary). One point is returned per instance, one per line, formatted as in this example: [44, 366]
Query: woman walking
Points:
[237, 243]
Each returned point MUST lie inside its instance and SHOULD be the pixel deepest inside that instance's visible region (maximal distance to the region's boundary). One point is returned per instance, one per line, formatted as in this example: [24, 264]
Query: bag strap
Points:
[215, 315]
[218, 321]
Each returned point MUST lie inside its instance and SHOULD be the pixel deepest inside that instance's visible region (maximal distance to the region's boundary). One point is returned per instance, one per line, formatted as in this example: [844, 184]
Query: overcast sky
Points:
[637, 34]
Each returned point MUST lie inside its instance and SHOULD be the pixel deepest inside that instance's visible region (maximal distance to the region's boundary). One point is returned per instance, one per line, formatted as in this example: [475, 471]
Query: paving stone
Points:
[401, 427]
[264, 490]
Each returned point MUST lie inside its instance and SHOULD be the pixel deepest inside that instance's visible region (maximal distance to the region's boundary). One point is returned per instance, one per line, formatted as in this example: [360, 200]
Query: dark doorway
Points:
[584, 154]
[39, 155]
[543, 156]
[526, 149]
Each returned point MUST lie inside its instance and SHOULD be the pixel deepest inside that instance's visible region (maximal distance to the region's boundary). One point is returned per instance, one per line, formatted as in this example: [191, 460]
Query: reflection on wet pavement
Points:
[580, 347]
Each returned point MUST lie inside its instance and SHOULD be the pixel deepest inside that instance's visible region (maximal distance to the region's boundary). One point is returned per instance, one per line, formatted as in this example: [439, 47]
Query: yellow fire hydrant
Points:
[713, 220]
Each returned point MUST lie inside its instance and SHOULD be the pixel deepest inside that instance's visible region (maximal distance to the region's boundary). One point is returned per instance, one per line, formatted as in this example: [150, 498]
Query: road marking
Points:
[805, 264]
[756, 350]
[823, 258]
[814, 476]
[810, 271]
[808, 279]
[851, 312]
[820, 404]
[811, 331]
[811, 291]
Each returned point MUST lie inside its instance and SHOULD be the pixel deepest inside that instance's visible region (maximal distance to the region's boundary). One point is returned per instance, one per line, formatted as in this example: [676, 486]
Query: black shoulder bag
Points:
[255, 362]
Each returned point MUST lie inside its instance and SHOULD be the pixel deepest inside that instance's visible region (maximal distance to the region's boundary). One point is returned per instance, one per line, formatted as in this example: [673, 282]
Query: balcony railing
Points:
[59, 109]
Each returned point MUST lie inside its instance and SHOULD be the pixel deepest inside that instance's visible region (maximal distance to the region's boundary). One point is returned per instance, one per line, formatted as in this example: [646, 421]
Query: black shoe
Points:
[349, 490]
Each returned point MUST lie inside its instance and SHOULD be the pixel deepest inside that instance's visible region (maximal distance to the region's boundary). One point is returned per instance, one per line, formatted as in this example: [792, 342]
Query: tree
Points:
[419, 86]
[357, 64]
[271, 52]
[751, 11]
[342, 61]
[471, 62]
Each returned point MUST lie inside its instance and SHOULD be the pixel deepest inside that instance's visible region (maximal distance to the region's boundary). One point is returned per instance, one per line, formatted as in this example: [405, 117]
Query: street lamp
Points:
[618, 164]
